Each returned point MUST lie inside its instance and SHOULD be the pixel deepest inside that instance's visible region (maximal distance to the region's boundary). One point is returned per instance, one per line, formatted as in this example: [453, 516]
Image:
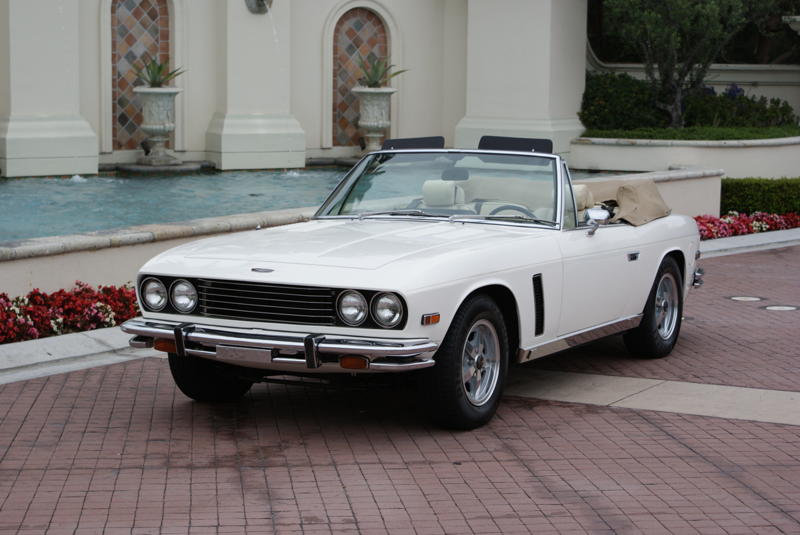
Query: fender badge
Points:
[262, 270]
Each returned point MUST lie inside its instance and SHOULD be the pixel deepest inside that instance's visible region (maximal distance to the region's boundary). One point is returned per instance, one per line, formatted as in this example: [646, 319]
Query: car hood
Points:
[366, 244]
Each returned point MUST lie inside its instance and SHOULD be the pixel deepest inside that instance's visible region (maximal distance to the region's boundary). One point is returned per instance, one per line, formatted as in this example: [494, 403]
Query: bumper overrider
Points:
[282, 351]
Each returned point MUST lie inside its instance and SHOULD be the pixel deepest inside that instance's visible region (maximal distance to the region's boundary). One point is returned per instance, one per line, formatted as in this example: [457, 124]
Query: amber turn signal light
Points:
[168, 346]
[354, 363]
[431, 319]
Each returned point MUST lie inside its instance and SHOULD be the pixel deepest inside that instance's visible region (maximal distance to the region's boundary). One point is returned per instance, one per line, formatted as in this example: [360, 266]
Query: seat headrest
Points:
[442, 193]
[583, 197]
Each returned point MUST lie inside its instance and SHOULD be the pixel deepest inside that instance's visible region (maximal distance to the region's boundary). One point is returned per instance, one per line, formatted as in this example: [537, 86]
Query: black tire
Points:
[661, 323]
[460, 404]
[205, 380]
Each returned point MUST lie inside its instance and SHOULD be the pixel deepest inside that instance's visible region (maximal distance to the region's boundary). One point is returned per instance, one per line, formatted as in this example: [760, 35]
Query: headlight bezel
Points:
[143, 294]
[375, 302]
[365, 308]
[174, 301]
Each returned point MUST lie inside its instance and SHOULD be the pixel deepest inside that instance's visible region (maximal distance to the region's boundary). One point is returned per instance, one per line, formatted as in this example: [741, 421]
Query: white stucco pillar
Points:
[526, 63]
[253, 127]
[42, 131]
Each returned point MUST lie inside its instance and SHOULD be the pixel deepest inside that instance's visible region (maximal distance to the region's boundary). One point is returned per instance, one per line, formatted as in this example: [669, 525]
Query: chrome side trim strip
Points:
[578, 338]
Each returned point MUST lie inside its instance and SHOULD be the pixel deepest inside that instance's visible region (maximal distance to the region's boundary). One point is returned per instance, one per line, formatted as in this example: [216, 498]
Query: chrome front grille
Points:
[253, 301]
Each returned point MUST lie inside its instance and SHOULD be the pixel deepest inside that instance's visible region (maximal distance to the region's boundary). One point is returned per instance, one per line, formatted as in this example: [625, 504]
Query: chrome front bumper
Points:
[279, 351]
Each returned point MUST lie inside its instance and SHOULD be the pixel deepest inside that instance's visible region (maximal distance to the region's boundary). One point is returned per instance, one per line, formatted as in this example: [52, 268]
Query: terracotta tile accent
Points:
[359, 33]
[140, 29]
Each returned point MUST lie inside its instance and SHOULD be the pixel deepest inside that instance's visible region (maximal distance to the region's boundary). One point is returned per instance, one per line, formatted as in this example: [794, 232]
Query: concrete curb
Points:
[105, 346]
[34, 357]
[760, 241]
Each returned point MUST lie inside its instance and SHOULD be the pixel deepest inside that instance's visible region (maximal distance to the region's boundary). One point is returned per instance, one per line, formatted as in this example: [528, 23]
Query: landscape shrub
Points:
[621, 103]
[736, 224]
[699, 133]
[39, 314]
[733, 108]
[774, 195]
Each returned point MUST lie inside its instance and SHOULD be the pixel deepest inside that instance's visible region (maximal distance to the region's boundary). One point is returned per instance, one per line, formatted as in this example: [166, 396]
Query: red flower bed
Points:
[736, 224]
[83, 308]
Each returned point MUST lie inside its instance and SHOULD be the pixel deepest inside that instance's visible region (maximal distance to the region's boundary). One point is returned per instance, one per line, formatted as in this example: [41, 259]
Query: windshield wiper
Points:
[513, 218]
[409, 211]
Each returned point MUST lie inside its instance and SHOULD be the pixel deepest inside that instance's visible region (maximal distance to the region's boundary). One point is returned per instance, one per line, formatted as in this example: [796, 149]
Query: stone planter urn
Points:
[158, 110]
[374, 105]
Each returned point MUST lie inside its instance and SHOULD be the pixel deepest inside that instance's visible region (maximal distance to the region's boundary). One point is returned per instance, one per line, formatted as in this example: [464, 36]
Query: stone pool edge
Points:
[92, 241]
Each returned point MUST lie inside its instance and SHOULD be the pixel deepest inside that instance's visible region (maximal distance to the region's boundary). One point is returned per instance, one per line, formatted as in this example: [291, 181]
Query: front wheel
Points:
[205, 380]
[661, 322]
[471, 365]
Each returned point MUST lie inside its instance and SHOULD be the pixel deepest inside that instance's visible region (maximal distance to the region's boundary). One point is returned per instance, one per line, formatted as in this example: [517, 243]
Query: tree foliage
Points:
[678, 40]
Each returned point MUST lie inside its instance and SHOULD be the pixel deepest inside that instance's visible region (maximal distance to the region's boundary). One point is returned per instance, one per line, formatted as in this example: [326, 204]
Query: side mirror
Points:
[597, 216]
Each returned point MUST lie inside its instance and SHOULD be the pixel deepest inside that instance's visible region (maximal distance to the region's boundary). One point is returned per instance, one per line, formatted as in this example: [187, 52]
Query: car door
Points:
[595, 270]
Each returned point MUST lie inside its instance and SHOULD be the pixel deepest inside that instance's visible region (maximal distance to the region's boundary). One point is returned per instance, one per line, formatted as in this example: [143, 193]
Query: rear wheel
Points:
[471, 365]
[205, 380]
[661, 322]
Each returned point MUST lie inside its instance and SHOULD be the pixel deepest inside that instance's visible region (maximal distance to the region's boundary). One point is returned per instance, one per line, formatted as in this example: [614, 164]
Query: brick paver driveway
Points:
[118, 449]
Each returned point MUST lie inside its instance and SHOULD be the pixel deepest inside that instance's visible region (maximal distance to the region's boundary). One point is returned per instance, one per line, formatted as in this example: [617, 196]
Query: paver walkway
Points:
[117, 449]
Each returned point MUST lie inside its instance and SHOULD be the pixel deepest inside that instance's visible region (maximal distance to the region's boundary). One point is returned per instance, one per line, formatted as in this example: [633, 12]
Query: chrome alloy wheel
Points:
[480, 362]
[666, 308]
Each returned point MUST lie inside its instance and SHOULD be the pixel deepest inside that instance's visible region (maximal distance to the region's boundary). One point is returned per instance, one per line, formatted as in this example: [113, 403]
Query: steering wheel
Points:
[515, 208]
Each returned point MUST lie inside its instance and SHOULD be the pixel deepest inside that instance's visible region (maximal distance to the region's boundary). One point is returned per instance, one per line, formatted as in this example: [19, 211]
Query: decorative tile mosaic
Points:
[359, 33]
[140, 30]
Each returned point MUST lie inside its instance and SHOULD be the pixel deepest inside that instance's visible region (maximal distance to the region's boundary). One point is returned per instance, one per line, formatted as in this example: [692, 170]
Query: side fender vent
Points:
[538, 303]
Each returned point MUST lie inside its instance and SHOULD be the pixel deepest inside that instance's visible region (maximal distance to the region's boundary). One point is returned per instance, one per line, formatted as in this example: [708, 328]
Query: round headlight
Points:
[184, 296]
[154, 294]
[387, 310]
[352, 308]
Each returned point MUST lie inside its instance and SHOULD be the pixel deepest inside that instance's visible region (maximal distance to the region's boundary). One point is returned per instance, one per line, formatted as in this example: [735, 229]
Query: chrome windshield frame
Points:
[349, 177]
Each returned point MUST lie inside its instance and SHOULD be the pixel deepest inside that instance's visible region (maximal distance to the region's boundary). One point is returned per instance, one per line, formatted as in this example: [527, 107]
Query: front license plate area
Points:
[244, 356]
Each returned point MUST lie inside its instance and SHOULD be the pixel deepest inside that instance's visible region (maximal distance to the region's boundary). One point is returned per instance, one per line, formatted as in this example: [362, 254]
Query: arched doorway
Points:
[359, 33]
[139, 30]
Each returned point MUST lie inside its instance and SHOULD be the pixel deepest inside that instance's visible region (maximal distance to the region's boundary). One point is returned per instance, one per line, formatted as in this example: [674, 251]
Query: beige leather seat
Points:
[442, 193]
[583, 200]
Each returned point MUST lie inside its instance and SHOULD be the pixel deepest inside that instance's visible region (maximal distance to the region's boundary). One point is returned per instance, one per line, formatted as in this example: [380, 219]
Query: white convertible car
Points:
[457, 262]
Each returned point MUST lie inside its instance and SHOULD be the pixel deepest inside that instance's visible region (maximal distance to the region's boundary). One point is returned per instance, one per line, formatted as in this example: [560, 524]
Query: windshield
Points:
[449, 184]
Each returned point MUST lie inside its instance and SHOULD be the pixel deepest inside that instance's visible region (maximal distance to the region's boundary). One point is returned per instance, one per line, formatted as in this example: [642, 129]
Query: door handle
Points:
[633, 256]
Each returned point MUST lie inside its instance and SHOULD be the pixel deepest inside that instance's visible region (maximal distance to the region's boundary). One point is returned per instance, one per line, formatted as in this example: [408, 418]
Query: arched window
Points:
[139, 30]
[359, 33]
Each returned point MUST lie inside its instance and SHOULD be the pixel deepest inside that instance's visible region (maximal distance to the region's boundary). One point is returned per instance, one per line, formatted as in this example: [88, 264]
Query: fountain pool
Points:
[40, 207]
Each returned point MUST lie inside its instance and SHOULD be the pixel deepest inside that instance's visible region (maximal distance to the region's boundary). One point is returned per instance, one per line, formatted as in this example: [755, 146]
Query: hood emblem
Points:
[262, 270]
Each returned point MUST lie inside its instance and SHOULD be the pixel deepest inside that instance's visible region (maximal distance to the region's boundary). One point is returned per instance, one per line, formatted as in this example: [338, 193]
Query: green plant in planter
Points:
[156, 74]
[377, 73]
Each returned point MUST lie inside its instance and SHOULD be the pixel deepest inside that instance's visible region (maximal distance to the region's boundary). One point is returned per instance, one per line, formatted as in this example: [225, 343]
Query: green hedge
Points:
[621, 102]
[698, 133]
[772, 195]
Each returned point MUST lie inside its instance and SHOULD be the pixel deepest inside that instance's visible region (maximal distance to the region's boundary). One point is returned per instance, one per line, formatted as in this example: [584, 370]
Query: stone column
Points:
[526, 68]
[253, 126]
[42, 131]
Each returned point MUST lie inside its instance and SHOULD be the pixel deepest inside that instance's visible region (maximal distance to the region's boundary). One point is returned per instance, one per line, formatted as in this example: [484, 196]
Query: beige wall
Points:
[526, 68]
[4, 61]
[428, 37]
[767, 158]
[41, 128]
[233, 65]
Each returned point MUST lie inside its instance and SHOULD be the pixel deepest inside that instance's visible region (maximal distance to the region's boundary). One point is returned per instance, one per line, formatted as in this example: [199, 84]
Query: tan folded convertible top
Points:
[638, 201]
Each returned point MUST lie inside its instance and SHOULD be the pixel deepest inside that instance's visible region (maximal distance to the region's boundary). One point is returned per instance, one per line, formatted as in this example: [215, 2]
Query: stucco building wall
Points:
[258, 89]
